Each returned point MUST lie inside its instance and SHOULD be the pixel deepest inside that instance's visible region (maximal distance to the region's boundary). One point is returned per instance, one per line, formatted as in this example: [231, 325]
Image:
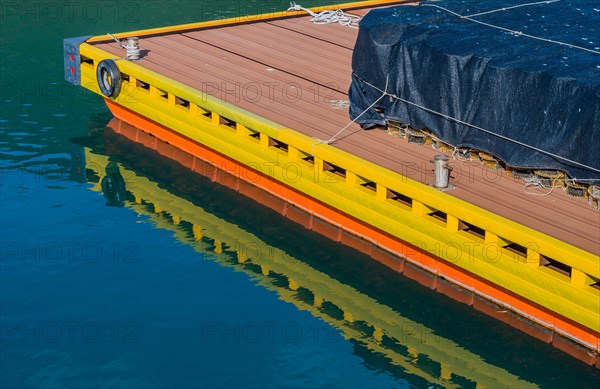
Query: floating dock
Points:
[253, 97]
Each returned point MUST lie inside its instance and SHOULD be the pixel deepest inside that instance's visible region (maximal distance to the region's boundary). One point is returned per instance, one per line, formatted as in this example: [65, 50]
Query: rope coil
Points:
[329, 16]
[132, 48]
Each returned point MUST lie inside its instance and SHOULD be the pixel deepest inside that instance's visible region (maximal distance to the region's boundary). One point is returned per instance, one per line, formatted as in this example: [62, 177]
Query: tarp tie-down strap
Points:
[333, 138]
[447, 117]
[512, 7]
[517, 33]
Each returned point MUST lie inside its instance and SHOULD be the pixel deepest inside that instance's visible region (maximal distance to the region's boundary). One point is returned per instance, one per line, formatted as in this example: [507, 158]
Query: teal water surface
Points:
[110, 287]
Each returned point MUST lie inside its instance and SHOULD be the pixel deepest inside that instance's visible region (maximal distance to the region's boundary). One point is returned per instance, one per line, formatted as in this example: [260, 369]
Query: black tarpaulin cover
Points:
[531, 102]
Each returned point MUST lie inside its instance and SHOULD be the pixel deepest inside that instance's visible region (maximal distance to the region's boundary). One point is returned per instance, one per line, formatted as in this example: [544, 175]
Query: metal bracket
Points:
[446, 189]
[73, 59]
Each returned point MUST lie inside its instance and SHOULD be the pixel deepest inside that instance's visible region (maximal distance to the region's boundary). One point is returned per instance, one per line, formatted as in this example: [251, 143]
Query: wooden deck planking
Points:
[273, 34]
[254, 54]
[257, 76]
[297, 60]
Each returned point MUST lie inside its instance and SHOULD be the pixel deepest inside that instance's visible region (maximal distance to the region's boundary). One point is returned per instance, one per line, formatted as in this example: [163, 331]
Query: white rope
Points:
[132, 48]
[117, 40]
[518, 33]
[538, 183]
[514, 6]
[385, 93]
[580, 180]
[333, 138]
[339, 104]
[328, 16]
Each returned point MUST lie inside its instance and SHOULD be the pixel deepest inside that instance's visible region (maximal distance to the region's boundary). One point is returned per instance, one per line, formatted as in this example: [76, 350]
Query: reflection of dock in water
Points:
[410, 345]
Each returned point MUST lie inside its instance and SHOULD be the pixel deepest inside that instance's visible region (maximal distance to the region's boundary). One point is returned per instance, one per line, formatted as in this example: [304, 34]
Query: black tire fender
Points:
[108, 77]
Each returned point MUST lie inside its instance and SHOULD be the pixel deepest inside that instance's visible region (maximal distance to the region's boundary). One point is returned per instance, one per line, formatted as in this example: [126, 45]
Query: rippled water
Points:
[120, 268]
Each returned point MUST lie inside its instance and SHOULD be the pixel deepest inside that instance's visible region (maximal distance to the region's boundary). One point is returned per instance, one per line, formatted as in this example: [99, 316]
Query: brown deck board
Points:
[253, 76]
[316, 60]
[267, 37]
[297, 58]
